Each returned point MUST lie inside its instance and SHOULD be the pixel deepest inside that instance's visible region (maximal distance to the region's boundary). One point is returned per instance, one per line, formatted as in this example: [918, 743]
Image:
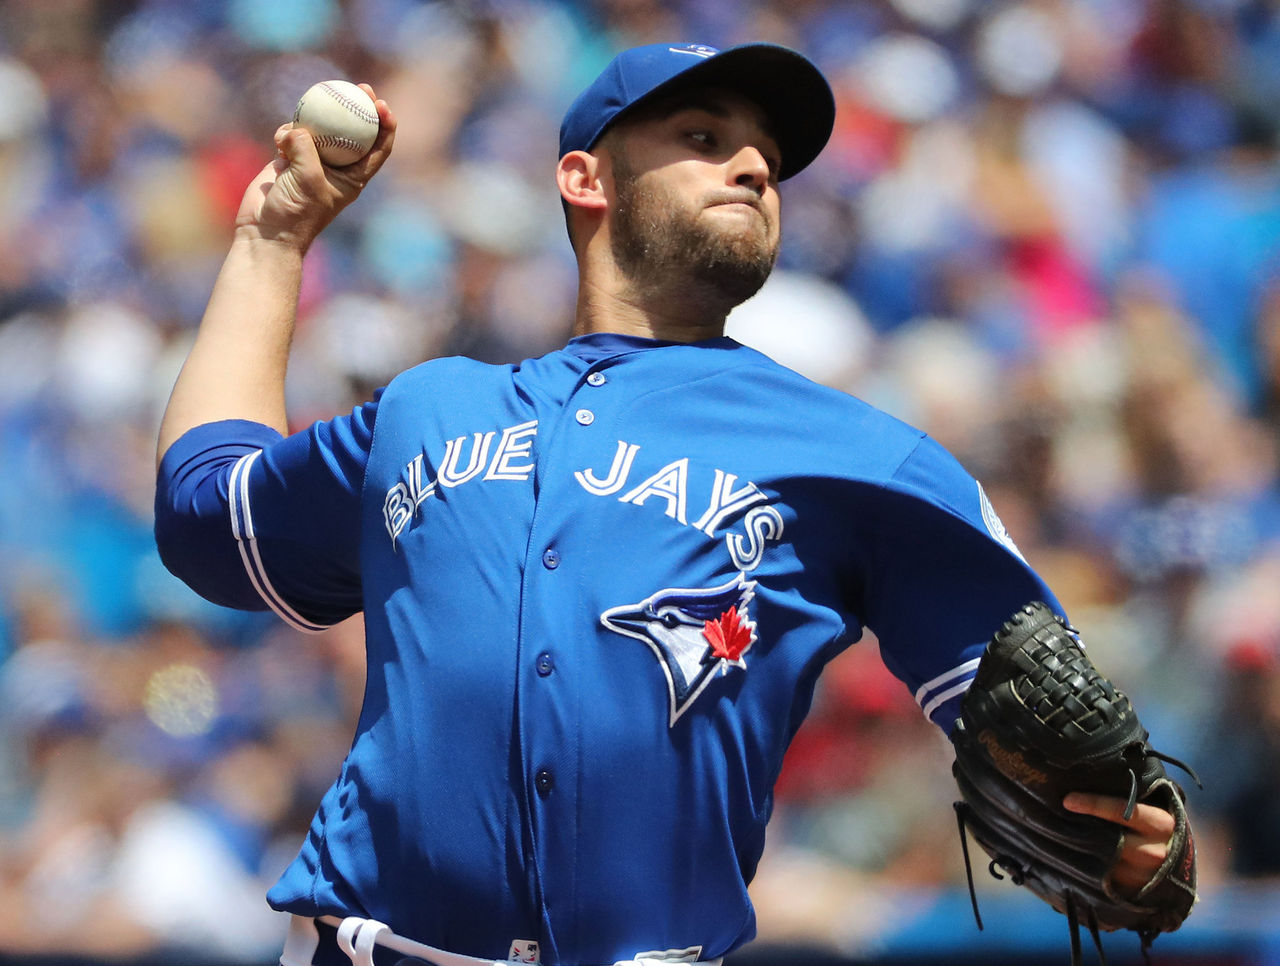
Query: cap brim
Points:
[791, 91]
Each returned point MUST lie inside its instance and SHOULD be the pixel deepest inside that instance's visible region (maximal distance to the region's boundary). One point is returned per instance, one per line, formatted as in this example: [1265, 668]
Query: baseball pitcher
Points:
[599, 586]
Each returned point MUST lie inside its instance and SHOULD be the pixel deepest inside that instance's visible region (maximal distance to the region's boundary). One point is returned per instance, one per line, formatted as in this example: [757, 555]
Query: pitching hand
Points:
[1146, 843]
[295, 196]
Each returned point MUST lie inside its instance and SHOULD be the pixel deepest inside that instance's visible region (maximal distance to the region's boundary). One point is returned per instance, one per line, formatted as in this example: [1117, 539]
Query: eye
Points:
[669, 619]
[703, 138]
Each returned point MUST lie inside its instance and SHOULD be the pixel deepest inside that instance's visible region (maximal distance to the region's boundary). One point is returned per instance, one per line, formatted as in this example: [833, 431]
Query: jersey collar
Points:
[601, 345]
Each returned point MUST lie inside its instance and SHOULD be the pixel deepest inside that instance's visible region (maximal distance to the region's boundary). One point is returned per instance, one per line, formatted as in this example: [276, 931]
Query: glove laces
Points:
[1073, 922]
[1016, 876]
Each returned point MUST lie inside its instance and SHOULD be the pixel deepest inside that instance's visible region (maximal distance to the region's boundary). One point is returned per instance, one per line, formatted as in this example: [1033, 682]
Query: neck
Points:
[663, 309]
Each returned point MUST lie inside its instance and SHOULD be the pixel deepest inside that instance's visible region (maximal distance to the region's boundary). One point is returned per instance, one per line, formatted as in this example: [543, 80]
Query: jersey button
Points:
[550, 558]
[596, 379]
[545, 664]
[544, 782]
[585, 417]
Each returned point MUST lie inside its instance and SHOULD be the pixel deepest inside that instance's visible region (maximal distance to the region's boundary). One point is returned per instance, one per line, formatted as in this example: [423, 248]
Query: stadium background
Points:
[1047, 231]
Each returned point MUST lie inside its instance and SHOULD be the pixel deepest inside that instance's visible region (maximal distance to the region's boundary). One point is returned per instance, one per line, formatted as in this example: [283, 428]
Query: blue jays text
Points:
[669, 485]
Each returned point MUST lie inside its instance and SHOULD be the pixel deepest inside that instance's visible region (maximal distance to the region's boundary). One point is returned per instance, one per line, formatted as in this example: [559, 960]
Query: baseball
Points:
[342, 120]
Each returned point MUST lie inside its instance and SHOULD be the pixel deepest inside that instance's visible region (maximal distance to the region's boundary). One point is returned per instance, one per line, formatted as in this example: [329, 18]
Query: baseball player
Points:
[598, 586]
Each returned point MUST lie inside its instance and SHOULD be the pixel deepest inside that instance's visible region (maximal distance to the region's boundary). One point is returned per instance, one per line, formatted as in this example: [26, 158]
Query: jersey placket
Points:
[553, 625]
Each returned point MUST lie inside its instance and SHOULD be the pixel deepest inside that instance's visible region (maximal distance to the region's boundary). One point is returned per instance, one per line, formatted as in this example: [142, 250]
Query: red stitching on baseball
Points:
[347, 102]
[335, 141]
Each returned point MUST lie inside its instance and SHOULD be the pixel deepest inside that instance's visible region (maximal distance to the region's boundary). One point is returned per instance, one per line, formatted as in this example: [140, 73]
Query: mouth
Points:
[751, 210]
[737, 203]
[739, 206]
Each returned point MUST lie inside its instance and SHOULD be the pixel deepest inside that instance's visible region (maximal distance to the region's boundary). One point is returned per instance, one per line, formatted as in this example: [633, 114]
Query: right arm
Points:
[236, 367]
[238, 507]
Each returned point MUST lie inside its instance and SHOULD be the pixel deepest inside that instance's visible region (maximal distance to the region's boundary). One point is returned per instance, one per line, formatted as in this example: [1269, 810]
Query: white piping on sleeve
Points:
[246, 539]
[932, 694]
[944, 696]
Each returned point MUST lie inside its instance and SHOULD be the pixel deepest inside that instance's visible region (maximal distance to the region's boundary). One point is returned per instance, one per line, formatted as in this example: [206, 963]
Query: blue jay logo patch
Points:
[694, 632]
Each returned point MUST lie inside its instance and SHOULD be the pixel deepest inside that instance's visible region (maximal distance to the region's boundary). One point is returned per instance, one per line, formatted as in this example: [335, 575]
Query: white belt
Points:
[357, 937]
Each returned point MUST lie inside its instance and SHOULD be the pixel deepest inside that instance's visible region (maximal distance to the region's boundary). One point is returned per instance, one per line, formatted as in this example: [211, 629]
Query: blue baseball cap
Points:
[790, 90]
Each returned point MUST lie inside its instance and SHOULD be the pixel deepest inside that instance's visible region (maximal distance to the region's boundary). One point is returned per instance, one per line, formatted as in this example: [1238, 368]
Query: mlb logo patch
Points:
[523, 951]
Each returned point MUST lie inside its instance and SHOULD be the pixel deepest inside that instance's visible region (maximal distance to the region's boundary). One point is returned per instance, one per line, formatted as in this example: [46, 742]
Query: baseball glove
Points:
[1038, 722]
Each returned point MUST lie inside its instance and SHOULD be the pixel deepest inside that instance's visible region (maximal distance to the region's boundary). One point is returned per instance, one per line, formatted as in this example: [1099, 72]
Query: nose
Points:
[749, 169]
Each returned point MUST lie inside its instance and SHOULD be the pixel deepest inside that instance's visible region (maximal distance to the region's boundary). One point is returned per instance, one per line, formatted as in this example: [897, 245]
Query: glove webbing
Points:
[1076, 697]
[1061, 687]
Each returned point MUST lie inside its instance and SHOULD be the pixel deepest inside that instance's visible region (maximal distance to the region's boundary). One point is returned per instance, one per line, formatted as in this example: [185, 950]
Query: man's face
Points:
[696, 194]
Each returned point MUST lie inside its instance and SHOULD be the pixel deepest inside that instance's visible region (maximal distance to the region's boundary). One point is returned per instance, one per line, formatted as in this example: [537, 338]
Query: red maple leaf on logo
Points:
[727, 635]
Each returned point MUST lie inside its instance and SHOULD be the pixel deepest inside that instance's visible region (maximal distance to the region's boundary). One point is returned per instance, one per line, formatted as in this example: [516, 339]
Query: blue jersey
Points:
[598, 589]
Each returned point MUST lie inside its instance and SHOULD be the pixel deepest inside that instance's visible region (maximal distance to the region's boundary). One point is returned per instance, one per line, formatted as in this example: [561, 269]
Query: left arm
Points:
[942, 613]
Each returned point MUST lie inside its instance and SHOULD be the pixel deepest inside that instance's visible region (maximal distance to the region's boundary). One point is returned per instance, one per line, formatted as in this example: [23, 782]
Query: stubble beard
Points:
[656, 242]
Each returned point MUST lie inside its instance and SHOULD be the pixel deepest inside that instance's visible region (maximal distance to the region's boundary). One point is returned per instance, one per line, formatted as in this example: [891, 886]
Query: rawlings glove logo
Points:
[1011, 763]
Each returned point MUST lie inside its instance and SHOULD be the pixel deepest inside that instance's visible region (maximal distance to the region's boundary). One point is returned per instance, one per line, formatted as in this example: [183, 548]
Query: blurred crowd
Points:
[1047, 231]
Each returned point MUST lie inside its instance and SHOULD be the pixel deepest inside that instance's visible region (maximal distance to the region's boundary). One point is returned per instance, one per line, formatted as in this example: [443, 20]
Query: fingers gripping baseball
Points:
[295, 196]
[1146, 843]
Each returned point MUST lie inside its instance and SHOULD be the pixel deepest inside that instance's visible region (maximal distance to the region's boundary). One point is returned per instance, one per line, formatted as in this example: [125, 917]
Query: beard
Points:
[655, 239]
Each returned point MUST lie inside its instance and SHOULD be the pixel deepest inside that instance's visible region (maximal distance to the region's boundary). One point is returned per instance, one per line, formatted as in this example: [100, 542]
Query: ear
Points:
[578, 177]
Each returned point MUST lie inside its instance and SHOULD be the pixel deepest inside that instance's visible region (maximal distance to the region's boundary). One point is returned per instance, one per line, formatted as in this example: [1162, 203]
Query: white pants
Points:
[357, 937]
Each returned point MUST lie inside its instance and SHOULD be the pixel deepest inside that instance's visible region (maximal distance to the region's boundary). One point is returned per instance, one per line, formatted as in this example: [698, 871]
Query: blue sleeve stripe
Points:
[246, 540]
[932, 694]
